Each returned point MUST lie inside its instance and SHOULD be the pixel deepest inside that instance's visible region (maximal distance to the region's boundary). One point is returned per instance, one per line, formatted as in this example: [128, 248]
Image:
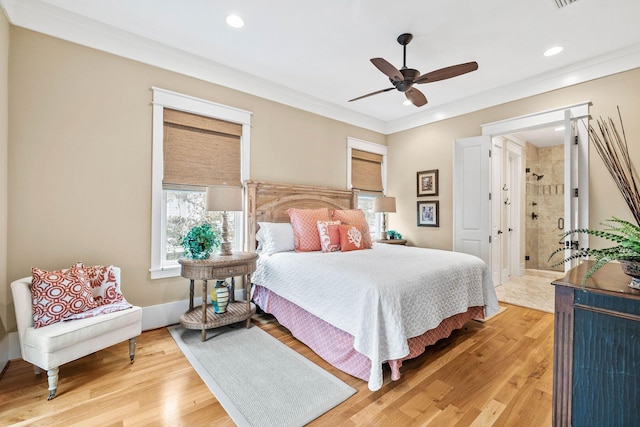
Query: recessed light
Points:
[235, 21]
[553, 51]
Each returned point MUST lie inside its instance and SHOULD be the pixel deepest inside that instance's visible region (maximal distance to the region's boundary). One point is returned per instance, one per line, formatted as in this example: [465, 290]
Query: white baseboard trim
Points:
[4, 352]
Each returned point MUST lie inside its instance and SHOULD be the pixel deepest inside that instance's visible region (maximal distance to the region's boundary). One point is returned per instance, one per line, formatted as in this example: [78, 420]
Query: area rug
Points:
[258, 380]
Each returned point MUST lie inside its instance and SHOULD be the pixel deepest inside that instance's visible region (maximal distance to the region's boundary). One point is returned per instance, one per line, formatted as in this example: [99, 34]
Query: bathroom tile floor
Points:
[532, 290]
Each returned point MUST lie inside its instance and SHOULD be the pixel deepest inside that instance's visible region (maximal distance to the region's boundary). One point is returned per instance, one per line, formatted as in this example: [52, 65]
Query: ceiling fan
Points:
[404, 79]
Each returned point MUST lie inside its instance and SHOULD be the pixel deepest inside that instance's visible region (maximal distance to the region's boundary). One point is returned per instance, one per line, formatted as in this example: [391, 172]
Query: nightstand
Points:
[393, 241]
[217, 267]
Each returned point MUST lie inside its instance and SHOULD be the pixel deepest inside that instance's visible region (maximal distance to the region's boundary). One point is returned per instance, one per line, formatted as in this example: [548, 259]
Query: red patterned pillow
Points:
[354, 217]
[351, 238]
[305, 228]
[59, 294]
[329, 235]
[104, 286]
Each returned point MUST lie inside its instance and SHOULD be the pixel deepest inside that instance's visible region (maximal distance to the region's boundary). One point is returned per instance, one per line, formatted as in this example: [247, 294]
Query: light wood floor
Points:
[497, 373]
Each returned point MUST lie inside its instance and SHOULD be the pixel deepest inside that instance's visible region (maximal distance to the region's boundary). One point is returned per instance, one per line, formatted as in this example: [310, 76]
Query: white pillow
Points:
[275, 237]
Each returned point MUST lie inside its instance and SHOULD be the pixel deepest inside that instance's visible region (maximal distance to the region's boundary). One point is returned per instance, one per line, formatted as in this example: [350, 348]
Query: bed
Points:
[362, 308]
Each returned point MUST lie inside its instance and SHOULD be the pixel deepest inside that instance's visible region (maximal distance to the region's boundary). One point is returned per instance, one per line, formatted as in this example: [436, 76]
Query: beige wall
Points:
[80, 157]
[4, 135]
[431, 147]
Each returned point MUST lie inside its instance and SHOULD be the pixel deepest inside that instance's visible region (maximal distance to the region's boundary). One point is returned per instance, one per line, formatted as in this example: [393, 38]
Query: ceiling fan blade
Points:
[416, 97]
[447, 72]
[388, 69]
[372, 93]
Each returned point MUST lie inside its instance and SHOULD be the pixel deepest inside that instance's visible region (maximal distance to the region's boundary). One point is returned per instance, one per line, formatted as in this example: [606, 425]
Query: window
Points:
[196, 143]
[367, 171]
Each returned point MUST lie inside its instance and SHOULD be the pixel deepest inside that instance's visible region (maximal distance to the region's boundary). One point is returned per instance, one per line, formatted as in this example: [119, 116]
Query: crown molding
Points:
[42, 17]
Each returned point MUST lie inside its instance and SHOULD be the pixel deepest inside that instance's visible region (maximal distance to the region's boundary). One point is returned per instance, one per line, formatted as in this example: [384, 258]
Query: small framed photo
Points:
[428, 183]
[428, 213]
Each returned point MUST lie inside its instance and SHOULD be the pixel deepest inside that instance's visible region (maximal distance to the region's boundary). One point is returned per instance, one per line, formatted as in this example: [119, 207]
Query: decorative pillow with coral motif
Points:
[105, 288]
[59, 294]
[329, 235]
[354, 217]
[305, 227]
[351, 238]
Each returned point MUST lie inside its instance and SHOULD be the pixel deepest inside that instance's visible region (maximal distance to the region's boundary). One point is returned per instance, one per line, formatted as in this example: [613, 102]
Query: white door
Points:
[514, 206]
[471, 188]
[576, 183]
[499, 192]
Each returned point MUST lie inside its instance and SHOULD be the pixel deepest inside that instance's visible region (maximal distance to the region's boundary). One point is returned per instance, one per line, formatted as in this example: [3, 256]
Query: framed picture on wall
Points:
[428, 183]
[428, 214]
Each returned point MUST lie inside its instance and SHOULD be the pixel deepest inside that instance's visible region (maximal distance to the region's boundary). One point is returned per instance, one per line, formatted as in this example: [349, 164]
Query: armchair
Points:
[52, 345]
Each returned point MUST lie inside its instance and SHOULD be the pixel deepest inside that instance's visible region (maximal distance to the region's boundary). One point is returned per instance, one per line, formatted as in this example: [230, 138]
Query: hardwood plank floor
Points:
[497, 373]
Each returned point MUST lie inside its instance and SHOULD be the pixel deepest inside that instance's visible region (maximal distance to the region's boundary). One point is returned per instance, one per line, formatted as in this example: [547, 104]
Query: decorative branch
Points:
[613, 150]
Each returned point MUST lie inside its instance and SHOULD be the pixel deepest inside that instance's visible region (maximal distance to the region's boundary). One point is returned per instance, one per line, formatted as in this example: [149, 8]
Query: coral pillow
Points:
[329, 235]
[351, 238]
[59, 294]
[354, 217]
[305, 227]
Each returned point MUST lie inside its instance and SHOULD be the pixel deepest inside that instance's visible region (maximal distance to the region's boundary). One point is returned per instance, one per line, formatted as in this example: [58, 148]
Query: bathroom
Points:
[544, 205]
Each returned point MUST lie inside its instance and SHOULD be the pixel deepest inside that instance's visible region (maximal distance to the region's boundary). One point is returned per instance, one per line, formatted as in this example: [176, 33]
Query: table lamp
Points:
[384, 204]
[223, 198]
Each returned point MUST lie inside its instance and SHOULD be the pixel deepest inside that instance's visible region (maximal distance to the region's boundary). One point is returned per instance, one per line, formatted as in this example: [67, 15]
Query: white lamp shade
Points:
[384, 204]
[224, 198]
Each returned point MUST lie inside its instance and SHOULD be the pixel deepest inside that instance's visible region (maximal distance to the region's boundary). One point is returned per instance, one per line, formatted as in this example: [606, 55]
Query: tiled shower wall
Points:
[544, 198]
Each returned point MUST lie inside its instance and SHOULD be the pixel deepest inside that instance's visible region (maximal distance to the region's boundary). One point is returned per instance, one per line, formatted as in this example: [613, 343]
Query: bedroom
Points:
[95, 123]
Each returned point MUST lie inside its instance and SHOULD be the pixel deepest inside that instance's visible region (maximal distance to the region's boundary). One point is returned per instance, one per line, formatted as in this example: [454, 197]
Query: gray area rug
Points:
[258, 380]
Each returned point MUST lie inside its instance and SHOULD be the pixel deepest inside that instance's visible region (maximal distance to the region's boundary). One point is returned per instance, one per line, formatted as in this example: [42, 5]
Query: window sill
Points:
[165, 272]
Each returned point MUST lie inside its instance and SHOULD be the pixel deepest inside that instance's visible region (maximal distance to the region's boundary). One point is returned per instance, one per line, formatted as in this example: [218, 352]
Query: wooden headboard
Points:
[268, 202]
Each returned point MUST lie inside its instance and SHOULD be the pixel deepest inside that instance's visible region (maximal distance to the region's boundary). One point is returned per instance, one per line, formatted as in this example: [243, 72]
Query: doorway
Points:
[474, 233]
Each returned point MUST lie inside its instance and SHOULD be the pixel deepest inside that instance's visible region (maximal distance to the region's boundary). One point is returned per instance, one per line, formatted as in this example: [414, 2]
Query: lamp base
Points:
[225, 249]
[225, 245]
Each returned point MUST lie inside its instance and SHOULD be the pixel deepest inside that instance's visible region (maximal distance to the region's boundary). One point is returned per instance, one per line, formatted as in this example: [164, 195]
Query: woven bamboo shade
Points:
[366, 171]
[200, 151]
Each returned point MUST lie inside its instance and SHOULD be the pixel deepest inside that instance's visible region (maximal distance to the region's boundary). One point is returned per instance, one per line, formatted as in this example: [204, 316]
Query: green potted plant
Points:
[612, 148]
[627, 249]
[199, 242]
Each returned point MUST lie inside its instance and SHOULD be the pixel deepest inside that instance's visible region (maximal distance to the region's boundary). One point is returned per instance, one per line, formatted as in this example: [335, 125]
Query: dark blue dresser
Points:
[596, 378]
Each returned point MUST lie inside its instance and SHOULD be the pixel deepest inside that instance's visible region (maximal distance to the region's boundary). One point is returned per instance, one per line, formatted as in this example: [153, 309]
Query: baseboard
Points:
[4, 352]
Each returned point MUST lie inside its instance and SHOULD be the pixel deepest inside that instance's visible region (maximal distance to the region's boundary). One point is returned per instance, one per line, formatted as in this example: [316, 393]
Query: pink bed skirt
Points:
[336, 346]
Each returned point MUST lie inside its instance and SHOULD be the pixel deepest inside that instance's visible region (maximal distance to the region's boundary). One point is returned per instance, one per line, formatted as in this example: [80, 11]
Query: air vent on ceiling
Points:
[563, 3]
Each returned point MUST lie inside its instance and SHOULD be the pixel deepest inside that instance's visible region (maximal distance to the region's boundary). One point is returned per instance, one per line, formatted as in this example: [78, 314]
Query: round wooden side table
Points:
[218, 267]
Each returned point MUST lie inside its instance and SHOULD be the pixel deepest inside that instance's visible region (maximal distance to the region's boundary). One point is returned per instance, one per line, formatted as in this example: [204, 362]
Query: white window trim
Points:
[163, 98]
[371, 147]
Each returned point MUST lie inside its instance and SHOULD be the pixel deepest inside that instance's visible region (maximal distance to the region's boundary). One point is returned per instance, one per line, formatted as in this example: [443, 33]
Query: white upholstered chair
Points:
[53, 345]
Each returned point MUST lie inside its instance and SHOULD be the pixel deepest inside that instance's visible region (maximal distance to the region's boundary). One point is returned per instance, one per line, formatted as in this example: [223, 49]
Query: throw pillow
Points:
[351, 238]
[275, 237]
[59, 294]
[354, 217]
[305, 227]
[104, 286]
[329, 235]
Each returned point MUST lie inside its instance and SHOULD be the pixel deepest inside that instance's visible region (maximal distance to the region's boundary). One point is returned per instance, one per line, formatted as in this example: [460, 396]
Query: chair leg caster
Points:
[132, 348]
[52, 377]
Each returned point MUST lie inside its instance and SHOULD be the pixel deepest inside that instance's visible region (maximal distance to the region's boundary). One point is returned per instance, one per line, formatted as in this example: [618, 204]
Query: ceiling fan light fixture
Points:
[407, 102]
[553, 51]
[235, 21]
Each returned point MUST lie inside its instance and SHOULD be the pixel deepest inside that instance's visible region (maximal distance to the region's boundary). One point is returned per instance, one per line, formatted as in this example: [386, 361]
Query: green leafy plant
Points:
[393, 234]
[199, 242]
[626, 236]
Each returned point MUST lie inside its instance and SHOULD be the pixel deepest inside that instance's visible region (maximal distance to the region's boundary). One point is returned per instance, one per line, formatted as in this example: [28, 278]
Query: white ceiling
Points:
[315, 55]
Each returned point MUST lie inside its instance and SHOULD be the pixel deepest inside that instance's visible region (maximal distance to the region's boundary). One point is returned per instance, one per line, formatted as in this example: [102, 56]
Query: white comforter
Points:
[381, 296]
